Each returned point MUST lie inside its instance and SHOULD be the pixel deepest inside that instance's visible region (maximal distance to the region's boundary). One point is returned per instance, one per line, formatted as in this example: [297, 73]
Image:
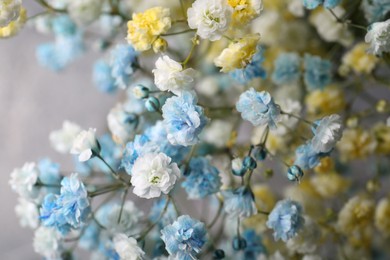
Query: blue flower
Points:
[252, 70]
[183, 119]
[258, 108]
[375, 10]
[318, 72]
[311, 4]
[102, 77]
[203, 179]
[306, 157]
[89, 239]
[184, 238]
[239, 202]
[49, 215]
[285, 219]
[254, 245]
[158, 207]
[287, 68]
[49, 172]
[124, 61]
[140, 146]
[62, 25]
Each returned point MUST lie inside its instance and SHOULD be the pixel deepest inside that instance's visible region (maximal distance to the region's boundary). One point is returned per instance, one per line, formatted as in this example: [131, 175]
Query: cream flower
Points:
[359, 60]
[28, 213]
[211, 18]
[154, 174]
[356, 144]
[245, 10]
[85, 12]
[46, 243]
[329, 185]
[24, 179]
[9, 11]
[169, 75]
[328, 131]
[382, 213]
[378, 36]
[62, 140]
[85, 144]
[121, 124]
[127, 247]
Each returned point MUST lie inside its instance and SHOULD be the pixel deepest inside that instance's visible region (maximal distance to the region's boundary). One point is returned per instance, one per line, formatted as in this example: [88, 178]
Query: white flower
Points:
[305, 242]
[84, 12]
[127, 247]
[62, 140]
[9, 11]
[218, 133]
[130, 218]
[28, 213]
[211, 18]
[46, 243]
[328, 131]
[153, 174]
[121, 124]
[85, 144]
[378, 36]
[23, 180]
[296, 8]
[170, 76]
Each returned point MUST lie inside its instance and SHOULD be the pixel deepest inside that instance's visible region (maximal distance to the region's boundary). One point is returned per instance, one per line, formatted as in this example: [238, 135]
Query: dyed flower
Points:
[238, 54]
[89, 239]
[184, 238]
[85, 12]
[318, 72]
[245, 10]
[146, 27]
[62, 25]
[211, 18]
[382, 212]
[378, 36]
[124, 61]
[47, 243]
[254, 245]
[286, 68]
[102, 77]
[154, 174]
[122, 124]
[327, 132]
[202, 180]
[127, 247]
[110, 151]
[306, 157]
[358, 60]
[239, 202]
[28, 213]
[375, 10]
[9, 11]
[312, 4]
[169, 75]
[14, 24]
[306, 241]
[258, 108]
[285, 219]
[183, 119]
[49, 172]
[169, 215]
[85, 145]
[139, 147]
[62, 140]
[49, 216]
[23, 181]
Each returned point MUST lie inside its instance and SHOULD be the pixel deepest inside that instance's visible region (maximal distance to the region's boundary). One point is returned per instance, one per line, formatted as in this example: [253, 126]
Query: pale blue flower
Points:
[203, 179]
[285, 219]
[124, 61]
[312, 4]
[183, 119]
[318, 72]
[252, 70]
[167, 218]
[49, 215]
[286, 68]
[102, 77]
[254, 245]
[89, 239]
[375, 10]
[140, 146]
[62, 25]
[184, 238]
[49, 172]
[239, 202]
[258, 108]
[306, 157]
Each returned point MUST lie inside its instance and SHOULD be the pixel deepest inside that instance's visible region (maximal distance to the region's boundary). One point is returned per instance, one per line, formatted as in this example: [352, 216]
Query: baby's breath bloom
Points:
[9, 11]
[306, 240]
[287, 68]
[245, 10]
[238, 54]
[312, 4]
[239, 202]
[375, 10]
[318, 72]
[327, 132]
[85, 12]
[28, 213]
[382, 213]
[358, 60]
[211, 18]
[382, 135]
[13, 27]
[169, 75]
[62, 139]
[146, 27]
[85, 145]
[356, 144]
[47, 243]
[124, 61]
[127, 247]
[329, 185]
[324, 102]
[23, 181]
[121, 124]
[378, 36]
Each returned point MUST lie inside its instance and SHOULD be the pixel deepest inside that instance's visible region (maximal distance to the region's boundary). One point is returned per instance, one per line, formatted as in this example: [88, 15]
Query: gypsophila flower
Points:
[286, 68]
[183, 119]
[85, 12]
[169, 75]
[306, 157]
[305, 242]
[285, 219]
[318, 72]
[62, 140]
[312, 4]
[245, 10]
[127, 247]
[211, 18]
[124, 61]
[153, 174]
[15, 26]
[122, 124]
[327, 132]
[378, 36]
[258, 108]
[184, 238]
[102, 77]
[47, 243]
[85, 145]
[239, 202]
[218, 132]
[9, 11]
[49, 172]
[202, 180]
[23, 181]
[89, 240]
[382, 211]
[28, 213]
[254, 245]
[375, 10]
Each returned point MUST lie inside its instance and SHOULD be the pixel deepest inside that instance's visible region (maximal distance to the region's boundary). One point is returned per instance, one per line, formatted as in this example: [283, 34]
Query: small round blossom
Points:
[85, 12]
[47, 243]
[378, 36]
[124, 61]
[239, 202]
[238, 54]
[312, 4]
[254, 245]
[23, 181]
[358, 60]
[127, 247]
[102, 77]
[382, 213]
[62, 140]
[211, 18]
[85, 145]
[146, 27]
[9, 11]
[28, 213]
[318, 72]
[286, 68]
[356, 143]
[324, 102]
[245, 10]
[327, 132]
[306, 157]
[285, 219]
[375, 10]
[15, 26]
[184, 238]
[121, 124]
[258, 108]
[306, 240]
[169, 75]
[183, 119]
[154, 174]
[218, 133]
[203, 179]
[329, 185]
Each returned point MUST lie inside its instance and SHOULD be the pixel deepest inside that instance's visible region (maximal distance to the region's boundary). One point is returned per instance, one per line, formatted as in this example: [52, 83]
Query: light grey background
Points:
[33, 102]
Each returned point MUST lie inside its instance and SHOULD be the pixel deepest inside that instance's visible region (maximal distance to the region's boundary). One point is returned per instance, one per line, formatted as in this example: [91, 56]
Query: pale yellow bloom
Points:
[238, 54]
[15, 26]
[146, 27]
[331, 100]
[382, 135]
[358, 60]
[160, 45]
[382, 217]
[326, 165]
[245, 10]
[356, 143]
[329, 185]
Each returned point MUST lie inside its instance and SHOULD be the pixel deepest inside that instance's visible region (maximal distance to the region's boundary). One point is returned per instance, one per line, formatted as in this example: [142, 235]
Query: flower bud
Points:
[152, 104]
[239, 243]
[159, 45]
[249, 163]
[259, 153]
[237, 167]
[141, 92]
[219, 254]
[294, 173]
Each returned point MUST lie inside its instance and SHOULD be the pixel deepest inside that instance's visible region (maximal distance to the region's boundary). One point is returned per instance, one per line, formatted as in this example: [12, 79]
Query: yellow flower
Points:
[146, 27]
[326, 165]
[356, 143]
[382, 135]
[15, 26]
[245, 10]
[329, 185]
[238, 54]
[159, 45]
[382, 219]
[359, 60]
[331, 100]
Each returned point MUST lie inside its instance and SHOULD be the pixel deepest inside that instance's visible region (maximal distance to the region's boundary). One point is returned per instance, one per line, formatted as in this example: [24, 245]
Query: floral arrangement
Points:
[242, 130]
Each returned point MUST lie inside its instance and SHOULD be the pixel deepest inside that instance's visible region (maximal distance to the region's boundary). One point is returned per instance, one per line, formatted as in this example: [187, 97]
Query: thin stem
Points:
[106, 189]
[46, 4]
[113, 172]
[297, 117]
[339, 20]
[276, 157]
[176, 33]
[228, 38]
[216, 217]
[123, 203]
[262, 212]
[194, 43]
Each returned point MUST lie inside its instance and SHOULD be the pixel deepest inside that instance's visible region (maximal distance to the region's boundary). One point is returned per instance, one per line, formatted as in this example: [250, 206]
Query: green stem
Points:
[113, 172]
[46, 4]
[215, 219]
[123, 203]
[176, 33]
[194, 43]
[106, 189]
[339, 20]
[297, 117]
